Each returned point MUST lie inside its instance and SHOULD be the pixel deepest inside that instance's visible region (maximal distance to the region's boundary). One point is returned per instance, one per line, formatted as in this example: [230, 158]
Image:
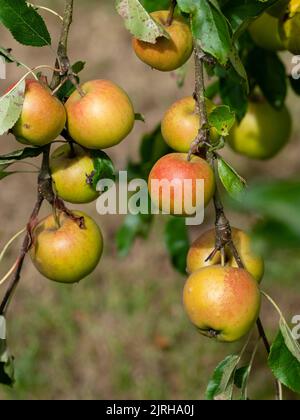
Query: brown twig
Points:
[223, 228]
[171, 12]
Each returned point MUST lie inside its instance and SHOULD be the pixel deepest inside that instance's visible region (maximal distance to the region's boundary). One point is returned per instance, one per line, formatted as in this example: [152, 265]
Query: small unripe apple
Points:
[263, 132]
[181, 124]
[205, 244]
[167, 54]
[265, 33]
[102, 117]
[43, 116]
[176, 169]
[222, 302]
[70, 168]
[290, 28]
[64, 252]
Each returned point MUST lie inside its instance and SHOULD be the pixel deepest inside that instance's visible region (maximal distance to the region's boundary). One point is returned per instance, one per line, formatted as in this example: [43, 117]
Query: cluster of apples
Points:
[96, 116]
[221, 300]
[278, 28]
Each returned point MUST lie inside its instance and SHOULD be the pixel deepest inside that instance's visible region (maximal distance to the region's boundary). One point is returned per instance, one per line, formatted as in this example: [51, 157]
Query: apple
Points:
[181, 123]
[265, 33]
[167, 54]
[102, 117]
[263, 132]
[43, 116]
[289, 28]
[278, 8]
[70, 169]
[205, 244]
[181, 199]
[222, 302]
[62, 251]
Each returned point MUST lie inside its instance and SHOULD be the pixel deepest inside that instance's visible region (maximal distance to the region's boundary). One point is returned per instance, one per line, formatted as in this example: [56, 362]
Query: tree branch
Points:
[44, 188]
[223, 228]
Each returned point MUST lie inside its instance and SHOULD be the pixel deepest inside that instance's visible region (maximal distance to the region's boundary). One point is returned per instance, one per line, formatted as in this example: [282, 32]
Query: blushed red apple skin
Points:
[102, 118]
[66, 254]
[176, 166]
[43, 116]
[222, 302]
[166, 54]
[70, 174]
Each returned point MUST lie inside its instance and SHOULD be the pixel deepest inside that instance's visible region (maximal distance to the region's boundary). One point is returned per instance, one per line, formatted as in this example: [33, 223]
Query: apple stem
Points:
[171, 12]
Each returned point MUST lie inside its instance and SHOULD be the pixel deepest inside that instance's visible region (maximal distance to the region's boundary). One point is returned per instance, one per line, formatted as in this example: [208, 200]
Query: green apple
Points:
[70, 169]
[265, 33]
[62, 251]
[263, 132]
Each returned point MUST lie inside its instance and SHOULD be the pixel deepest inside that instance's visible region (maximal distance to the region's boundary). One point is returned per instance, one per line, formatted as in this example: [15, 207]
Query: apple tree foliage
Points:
[220, 28]
[237, 67]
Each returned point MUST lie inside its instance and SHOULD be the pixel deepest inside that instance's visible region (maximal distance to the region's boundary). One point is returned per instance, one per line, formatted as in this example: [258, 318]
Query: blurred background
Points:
[122, 333]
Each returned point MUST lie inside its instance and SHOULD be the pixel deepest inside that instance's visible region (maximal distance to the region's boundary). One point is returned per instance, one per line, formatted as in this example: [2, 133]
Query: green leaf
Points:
[232, 181]
[221, 384]
[11, 107]
[134, 226]
[233, 93]
[139, 117]
[295, 84]
[239, 67]
[222, 119]
[27, 152]
[241, 13]
[25, 24]
[177, 242]
[6, 53]
[270, 75]
[289, 340]
[154, 5]
[6, 360]
[278, 201]
[210, 28]
[103, 167]
[285, 367]
[138, 21]
[241, 378]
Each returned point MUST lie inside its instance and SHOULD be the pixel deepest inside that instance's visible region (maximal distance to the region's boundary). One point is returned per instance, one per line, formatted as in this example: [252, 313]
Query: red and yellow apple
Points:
[222, 302]
[263, 132]
[173, 183]
[64, 252]
[166, 54]
[265, 32]
[181, 123]
[43, 116]
[70, 169]
[205, 244]
[101, 117]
